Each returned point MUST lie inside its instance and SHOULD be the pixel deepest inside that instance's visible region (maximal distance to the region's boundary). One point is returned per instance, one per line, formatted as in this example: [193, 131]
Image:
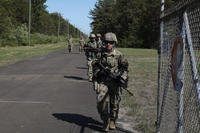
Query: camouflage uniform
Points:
[99, 41]
[81, 44]
[70, 44]
[107, 89]
[90, 54]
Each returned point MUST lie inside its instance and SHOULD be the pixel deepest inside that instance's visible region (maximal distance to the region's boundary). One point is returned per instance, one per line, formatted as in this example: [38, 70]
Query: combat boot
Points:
[106, 124]
[112, 125]
[90, 79]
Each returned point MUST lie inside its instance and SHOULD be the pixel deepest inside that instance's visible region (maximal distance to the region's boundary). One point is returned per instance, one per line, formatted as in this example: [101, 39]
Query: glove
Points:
[96, 86]
[96, 72]
[115, 75]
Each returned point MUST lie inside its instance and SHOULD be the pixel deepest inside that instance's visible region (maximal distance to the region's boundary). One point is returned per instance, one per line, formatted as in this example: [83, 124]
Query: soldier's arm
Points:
[123, 67]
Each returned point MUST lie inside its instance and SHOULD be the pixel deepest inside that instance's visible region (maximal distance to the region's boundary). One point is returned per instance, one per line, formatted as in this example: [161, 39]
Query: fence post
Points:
[180, 75]
[159, 65]
[192, 58]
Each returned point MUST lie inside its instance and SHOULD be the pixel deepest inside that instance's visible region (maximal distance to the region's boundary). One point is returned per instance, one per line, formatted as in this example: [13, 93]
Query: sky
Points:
[76, 11]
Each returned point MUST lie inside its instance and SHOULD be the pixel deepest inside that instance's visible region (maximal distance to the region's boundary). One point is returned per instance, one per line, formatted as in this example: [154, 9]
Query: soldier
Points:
[90, 54]
[81, 44]
[98, 40]
[110, 75]
[70, 44]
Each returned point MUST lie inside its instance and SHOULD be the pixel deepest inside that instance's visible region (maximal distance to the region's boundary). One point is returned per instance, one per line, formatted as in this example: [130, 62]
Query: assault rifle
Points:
[89, 49]
[117, 78]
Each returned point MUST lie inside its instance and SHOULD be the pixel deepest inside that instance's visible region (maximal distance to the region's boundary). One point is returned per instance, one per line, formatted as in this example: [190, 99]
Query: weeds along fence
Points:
[178, 101]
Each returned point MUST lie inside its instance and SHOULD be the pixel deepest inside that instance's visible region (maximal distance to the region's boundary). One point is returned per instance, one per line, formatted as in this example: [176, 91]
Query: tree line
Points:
[45, 26]
[135, 22]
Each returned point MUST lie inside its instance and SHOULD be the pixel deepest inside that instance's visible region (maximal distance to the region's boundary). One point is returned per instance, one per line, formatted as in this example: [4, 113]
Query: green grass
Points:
[143, 83]
[9, 55]
[147, 53]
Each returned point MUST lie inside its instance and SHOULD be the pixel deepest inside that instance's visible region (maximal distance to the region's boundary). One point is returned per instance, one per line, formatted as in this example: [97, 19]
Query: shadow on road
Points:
[71, 53]
[81, 67]
[80, 120]
[75, 77]
[85, 122]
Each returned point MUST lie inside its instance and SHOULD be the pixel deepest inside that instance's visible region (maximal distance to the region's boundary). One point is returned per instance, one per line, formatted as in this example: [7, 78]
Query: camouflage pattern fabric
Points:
[108, 91]
[91, 55]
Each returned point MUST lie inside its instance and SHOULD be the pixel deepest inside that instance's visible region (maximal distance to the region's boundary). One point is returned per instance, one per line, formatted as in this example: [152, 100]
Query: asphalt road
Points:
[48, 94]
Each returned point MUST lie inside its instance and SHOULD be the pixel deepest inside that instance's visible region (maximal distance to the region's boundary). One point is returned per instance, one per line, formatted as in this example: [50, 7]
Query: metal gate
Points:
[178, 99]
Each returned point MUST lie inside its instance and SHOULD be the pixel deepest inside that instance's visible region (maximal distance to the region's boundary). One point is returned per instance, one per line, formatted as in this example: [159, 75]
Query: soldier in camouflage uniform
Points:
[98, 40]
[90, 54]
[107, 69]
[81, 44]
[70, 44]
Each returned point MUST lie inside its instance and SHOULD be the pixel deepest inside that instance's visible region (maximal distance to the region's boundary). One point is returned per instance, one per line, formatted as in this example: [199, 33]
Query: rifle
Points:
[122, 83]
[89, 49]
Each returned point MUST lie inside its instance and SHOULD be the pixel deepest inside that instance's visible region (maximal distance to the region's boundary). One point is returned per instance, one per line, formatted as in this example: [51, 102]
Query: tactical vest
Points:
[111, 60]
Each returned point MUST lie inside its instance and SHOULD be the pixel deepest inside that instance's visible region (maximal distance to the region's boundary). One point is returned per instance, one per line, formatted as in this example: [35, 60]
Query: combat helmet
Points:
[111, 37]
[98, 35]
[92, 35]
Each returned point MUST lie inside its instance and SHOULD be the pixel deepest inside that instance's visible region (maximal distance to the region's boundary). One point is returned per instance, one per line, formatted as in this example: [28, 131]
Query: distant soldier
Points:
[99, 40]
[81, 44]
[70, 44]
[110, 75]
[90, 53]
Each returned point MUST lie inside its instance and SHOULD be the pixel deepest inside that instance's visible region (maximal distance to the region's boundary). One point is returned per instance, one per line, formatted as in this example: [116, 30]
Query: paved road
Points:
[48, 94]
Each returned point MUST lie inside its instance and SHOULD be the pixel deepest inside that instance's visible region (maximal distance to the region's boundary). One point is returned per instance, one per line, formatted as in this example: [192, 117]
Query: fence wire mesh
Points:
[178, 108]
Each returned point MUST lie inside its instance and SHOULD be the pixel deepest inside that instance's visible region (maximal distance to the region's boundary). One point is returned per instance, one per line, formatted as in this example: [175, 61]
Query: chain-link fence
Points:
[178, 101]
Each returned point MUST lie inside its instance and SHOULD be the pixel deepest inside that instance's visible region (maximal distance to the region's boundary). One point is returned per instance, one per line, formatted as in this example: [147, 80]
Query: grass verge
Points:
[9, 55]
[143, 83]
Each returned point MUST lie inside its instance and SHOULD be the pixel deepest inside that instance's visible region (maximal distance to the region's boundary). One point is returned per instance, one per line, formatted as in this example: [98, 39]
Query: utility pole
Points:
[68, 29]
[29, 24]
[77, 33]
[162, 2]
[58, 25]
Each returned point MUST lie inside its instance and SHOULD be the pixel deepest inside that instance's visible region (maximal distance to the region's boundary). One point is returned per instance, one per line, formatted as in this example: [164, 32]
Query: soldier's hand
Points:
[96, 87]
[96, 72]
